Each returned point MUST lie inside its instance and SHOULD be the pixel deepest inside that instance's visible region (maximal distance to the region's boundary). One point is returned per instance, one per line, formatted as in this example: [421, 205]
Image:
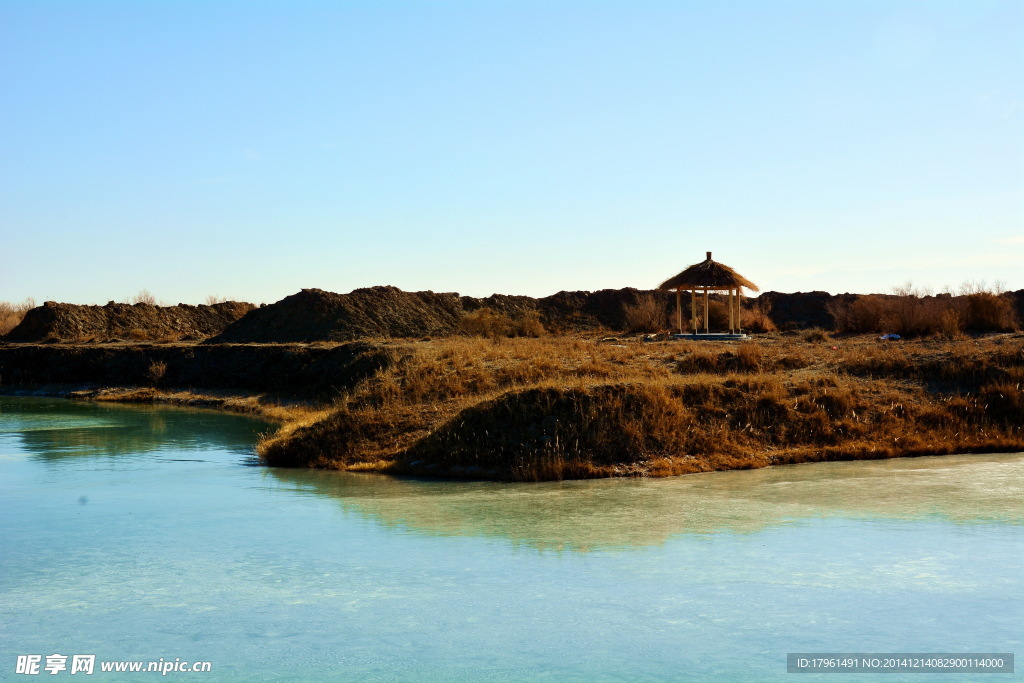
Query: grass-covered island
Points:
[551, 408]
[568, 386]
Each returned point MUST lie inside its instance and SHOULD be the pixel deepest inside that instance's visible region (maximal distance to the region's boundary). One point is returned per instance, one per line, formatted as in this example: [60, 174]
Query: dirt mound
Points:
[605, 308]
[316, 315]
[55, 322]
[1018, 303]
[800, 309]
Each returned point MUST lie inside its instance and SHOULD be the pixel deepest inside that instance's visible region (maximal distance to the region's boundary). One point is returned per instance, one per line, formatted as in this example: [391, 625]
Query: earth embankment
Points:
[388, 312]
[313, 315]
[57, 322]
[290, 370]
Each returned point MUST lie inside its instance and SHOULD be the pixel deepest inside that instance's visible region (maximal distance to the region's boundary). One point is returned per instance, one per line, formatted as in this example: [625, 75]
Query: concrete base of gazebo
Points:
[704, 336]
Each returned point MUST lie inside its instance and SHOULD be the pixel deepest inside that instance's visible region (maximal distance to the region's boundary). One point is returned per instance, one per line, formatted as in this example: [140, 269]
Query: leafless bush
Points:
[12, 314]
[144, 297]
[987, 312]
[758, 317]
[486, 322]
[717, 315]
[646, 315]
[916, 313]
[155, 373]
[528, 325]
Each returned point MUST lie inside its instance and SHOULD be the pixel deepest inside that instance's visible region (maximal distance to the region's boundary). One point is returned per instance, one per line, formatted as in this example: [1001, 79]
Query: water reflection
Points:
[603, 514]
[53, 429]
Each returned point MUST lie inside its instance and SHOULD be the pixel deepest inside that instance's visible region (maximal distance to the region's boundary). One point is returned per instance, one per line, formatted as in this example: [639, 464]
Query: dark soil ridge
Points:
[384, 312]
[57, 322]
[317, 315]
[313, 315]
[286, 370]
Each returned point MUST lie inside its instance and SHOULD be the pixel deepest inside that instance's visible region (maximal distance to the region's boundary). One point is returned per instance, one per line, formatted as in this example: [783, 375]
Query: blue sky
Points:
[252, 149]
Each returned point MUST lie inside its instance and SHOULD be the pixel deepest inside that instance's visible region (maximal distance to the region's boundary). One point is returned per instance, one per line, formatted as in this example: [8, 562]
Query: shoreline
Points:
[571, 407]
[289, 418]
[284, 415]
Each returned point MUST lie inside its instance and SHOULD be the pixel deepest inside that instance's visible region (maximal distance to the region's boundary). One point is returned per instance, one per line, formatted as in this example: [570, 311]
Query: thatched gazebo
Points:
[709, 276]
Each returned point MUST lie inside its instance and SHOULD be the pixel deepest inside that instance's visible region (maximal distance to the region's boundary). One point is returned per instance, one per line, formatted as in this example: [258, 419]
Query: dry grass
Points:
[12, 314]
[289, 415]
[486, 322]
[552, 408]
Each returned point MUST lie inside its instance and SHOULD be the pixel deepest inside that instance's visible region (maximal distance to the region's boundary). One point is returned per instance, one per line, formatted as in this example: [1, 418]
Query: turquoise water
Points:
[141, 533]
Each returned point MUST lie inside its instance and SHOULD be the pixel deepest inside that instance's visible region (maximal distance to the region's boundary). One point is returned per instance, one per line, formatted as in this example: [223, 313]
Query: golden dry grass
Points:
[551, 408]
[289, 415]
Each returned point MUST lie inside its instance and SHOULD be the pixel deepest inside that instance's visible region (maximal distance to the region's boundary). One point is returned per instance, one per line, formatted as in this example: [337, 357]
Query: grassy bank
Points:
[551, 408]
[289, 414]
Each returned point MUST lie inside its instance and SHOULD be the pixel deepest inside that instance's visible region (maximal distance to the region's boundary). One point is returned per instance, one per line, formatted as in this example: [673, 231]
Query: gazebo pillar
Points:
[732, 328]
[693, 308]
[679, 309]
[739, 310]
[707, 318]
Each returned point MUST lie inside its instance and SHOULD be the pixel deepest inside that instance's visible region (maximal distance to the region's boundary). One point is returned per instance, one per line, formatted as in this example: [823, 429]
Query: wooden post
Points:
[736, 303]
[693, 309]
[707, 318]
[739, 312]
[679, 308]
[739, 309]
[729, 300]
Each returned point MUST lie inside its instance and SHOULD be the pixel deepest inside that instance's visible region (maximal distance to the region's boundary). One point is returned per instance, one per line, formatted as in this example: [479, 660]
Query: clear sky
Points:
[251, 149]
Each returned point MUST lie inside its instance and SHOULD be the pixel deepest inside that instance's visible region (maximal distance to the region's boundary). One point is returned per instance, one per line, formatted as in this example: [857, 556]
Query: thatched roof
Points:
[708, 274]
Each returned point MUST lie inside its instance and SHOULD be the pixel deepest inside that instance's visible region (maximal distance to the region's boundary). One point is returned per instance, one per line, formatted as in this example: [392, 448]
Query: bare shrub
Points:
[863, 314]
[987, 312]
[486, 322]
[144, 297]
[528, 325]
[717, 316]
[913, 312]
[646, 315]
[949, 324]
[816, 335]
[156, 372]
[12, 314]
[916, 313]
[213, 299]
[758, 317]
